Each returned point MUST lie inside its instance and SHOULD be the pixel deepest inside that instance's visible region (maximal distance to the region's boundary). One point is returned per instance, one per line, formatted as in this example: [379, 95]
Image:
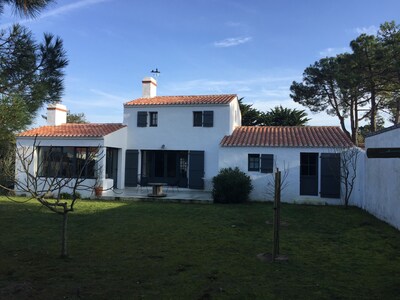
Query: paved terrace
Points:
[173, 195]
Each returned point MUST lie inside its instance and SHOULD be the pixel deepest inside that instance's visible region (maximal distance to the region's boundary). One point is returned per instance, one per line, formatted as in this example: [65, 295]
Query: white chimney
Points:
[149, 85]
[56, 114]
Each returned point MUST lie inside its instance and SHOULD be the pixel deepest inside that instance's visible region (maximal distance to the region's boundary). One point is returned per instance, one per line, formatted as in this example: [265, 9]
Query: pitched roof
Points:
[73, 130]
[396, 126]
[287, 136]
[183, 100]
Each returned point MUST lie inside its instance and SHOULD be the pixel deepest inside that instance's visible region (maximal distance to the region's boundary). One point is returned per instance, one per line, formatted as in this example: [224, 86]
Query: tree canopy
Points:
[31, 73]
[278, 116]
[27, 8]
[78, 118]
[358, 85]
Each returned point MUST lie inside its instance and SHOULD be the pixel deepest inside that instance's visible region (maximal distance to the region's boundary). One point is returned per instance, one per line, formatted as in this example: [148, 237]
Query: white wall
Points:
[176, 132]
[116, 139]
[286, 159]
[382, 179]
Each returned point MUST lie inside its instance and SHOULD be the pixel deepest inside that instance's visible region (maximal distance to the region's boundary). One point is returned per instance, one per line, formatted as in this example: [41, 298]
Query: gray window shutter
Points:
[131, 167]
[196, 169]
[267, 163]
[330, 175]
[142, 118]
[208, 118]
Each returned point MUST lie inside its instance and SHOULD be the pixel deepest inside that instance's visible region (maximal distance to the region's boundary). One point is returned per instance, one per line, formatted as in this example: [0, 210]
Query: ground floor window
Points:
[254, 162]
[67, 161]
[263, 163]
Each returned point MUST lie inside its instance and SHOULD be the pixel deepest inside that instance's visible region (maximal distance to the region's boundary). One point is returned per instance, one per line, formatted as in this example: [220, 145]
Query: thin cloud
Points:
[333, 51]
[231, 42]
[371, 30]
[70, 7]
[233, 24]
[58, 11]
[107, 95]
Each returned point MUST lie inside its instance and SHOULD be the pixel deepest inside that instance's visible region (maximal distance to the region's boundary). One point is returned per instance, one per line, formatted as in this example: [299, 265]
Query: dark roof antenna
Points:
[155, 72]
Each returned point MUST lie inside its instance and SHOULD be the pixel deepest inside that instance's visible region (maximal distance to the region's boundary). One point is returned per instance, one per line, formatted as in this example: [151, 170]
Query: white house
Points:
[185, 140]
[308, 157]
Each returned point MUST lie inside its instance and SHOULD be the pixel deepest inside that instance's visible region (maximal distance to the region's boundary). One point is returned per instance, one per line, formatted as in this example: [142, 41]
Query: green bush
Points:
[231, 186]
[68, 196]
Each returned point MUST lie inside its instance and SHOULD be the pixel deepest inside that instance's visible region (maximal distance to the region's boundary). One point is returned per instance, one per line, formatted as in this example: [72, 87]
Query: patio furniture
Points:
[157, 189]
[140, 185]
[174, 185]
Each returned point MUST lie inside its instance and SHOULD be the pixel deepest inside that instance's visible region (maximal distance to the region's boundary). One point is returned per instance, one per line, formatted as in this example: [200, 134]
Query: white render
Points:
[149, 87]
[382, 179]
[175, 131]
[56, 114]
[287, 159]
[116, 139]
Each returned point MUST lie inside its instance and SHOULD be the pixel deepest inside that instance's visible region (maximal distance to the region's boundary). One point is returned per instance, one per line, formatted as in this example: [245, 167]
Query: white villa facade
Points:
[186, 140]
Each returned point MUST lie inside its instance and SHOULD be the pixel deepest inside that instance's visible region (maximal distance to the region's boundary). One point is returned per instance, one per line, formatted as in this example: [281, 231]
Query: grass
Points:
[121, 250]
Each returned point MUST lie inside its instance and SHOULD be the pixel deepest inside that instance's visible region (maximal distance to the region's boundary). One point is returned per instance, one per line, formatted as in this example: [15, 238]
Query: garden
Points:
[195, 251]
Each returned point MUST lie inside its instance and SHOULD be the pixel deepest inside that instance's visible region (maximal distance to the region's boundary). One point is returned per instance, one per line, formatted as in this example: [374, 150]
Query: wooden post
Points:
[276, 223]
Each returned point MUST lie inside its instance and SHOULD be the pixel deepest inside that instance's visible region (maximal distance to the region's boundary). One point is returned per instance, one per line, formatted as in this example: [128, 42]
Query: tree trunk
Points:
[373, 110]
[64, 252]
[276, 224]
[356, 123]
[397, 114]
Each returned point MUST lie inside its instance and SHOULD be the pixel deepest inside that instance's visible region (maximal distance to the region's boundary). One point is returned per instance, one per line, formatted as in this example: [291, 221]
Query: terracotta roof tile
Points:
[73, 130]
[287, 136]
[183, 100]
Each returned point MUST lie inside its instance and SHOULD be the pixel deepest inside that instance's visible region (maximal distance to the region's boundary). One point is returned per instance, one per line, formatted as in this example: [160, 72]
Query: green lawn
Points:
[124, 250]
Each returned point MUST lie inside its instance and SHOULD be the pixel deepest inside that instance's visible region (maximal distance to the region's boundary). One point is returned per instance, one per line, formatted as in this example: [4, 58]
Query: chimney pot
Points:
[56, 114]
[149, 87]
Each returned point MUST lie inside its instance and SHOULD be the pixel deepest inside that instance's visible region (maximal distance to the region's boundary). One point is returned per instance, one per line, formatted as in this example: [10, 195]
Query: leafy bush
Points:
[69, 196]
[231, 186]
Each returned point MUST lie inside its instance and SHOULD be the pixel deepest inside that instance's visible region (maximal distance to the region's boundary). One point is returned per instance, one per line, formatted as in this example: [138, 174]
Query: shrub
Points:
[68, 196]
[231, 186]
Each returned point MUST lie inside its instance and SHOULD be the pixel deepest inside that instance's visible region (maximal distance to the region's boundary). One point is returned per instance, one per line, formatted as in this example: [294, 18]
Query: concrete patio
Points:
[172, 195]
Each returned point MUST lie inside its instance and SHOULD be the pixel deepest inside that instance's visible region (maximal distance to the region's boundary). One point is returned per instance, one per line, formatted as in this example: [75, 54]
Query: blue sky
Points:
[253, 48]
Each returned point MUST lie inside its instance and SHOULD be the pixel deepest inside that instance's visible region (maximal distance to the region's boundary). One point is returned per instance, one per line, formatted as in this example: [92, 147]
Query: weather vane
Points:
[156, 72]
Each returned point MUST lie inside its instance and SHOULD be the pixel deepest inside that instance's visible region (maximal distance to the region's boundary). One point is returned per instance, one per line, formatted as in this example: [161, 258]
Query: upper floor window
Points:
[153, 118]
[144, 118]
[203, 118]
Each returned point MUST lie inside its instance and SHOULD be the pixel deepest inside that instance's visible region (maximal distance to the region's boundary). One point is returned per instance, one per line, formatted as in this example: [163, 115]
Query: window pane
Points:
[159, 164]
[91, 162]
[80, 162]
[54, 161]
[67, 168]
[253, 162]
[43, 163]
[183, 164]
[153, 119]
[171, 164]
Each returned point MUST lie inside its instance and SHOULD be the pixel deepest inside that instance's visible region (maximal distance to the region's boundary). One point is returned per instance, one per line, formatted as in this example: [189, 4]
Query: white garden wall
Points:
[382, 179]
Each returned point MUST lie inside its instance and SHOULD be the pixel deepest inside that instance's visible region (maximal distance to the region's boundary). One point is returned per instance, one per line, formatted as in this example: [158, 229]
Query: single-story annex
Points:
[186, 140]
